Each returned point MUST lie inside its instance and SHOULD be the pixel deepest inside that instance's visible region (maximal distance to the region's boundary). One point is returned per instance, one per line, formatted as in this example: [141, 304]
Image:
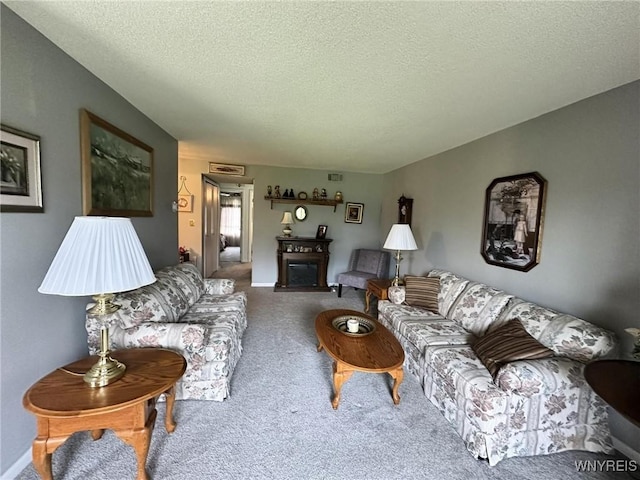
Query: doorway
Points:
[211, 226]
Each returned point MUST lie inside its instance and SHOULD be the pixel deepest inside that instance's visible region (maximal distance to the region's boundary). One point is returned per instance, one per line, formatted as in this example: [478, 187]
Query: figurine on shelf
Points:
[286, 193]
[316, 195]
[338, 197]
[323, 194]
[277, 191]
[291, 194]
[269, 191]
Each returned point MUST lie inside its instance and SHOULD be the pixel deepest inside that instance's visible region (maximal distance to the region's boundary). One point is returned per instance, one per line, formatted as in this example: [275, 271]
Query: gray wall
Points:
[590, 156]
[355, 187]
[42, 92]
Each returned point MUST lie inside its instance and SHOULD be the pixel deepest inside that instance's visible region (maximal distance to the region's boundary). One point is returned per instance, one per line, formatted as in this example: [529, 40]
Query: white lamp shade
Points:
[98, 255]
[287, 219]
[400, 238]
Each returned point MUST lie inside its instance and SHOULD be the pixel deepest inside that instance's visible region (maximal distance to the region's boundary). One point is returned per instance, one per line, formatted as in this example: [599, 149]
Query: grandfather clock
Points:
[405, 206]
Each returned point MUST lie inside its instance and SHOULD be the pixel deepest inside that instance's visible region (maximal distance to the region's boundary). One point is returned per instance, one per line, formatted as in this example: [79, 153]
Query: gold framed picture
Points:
[117, 170]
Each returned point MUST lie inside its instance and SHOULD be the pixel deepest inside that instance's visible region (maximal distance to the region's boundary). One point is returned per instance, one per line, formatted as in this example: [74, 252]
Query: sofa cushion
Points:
[455, 372]
[566, 335]
[146, 304]
[422, 292]
[572, 337]
[528, 378]
[508, 343]
[478, 307]
[451, 286]
[185, 280]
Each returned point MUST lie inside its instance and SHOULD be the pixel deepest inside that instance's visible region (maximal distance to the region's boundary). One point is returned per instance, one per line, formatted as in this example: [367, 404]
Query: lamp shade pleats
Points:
[98, 255]
[400, 238]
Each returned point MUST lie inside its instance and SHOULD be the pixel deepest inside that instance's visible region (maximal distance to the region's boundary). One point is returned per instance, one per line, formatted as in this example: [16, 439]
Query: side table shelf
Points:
[297, 201]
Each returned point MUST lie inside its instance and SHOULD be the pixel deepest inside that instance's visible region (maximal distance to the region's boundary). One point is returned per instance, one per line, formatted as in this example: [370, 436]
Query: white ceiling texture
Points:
[343, 85]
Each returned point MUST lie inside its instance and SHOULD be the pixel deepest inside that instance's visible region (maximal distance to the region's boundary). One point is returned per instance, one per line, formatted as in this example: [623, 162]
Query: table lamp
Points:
[287, 220]
[99, 256]
[399, 238]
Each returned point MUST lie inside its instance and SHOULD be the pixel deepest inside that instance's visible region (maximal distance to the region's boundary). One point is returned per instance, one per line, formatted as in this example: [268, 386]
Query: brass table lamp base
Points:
[107, 369]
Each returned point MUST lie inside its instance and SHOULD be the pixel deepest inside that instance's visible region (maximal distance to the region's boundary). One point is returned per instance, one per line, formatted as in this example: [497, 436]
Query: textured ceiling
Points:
[350, 86]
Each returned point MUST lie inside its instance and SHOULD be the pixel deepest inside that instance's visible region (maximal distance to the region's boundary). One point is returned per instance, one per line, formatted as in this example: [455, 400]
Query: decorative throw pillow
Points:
[422, 292]
[508, 343]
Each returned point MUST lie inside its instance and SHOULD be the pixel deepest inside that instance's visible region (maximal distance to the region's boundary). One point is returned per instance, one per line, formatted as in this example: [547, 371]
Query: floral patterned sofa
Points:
[532, 406]
[203, 319]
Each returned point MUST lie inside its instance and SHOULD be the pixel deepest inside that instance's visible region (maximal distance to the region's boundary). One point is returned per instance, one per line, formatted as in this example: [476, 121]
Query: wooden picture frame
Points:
[513, 220]
[322, 232]
[405, 209]
[20, 173]
[353, 212]
[117, 170]
[225, 169]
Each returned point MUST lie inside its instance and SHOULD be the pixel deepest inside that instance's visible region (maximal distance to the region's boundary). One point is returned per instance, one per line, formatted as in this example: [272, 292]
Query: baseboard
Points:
[626, 450]
[255, 284]
[15, 469]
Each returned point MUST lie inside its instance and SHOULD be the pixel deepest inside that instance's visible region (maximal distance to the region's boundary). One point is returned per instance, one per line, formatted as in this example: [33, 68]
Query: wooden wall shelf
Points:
[297, 201]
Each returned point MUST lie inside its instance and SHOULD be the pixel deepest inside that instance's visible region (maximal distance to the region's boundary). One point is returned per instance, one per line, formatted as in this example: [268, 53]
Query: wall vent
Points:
[335, 177]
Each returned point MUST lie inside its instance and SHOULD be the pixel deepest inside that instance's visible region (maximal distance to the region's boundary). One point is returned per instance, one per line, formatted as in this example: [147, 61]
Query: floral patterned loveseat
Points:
[531, 407]
[203, 319]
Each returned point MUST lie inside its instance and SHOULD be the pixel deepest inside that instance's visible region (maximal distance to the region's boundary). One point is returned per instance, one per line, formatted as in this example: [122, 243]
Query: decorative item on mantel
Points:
[287, 220]
[399, 238]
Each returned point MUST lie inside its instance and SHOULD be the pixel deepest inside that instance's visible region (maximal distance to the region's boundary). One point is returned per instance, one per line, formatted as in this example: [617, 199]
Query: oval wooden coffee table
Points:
[377, 352]
[64, 404]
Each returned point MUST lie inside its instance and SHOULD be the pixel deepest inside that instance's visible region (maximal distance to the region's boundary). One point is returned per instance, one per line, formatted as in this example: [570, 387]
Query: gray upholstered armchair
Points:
[363, 265]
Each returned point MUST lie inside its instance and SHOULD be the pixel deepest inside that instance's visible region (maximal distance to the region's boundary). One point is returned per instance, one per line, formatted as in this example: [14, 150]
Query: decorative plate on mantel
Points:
[365, 326]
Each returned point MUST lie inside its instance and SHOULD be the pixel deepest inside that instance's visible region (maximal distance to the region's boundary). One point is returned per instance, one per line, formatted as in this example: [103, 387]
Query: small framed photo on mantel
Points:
[321, 234]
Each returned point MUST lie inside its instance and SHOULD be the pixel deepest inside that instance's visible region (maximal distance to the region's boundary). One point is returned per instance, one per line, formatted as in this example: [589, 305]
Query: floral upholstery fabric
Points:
[534, 407]
[208, 334]
[477, 307]
[451, 286]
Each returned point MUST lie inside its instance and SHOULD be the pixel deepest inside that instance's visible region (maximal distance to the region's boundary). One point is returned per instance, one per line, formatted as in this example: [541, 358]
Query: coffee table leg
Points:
[398, 376]
[340, 375]
[169, 422]
[367, 297]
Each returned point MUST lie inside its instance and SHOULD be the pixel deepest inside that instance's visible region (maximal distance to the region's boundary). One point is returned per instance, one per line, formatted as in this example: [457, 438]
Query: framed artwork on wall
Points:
[353, 212]
[20, 174]
[185, 203]
[225, 169]
[513, 220]
[117, 170]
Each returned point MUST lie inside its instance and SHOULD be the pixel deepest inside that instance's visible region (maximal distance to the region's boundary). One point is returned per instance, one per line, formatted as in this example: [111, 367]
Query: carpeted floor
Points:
[278, 422]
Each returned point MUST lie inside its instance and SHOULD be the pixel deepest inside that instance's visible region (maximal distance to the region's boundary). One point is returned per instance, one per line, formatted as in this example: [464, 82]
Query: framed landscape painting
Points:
[513, 219]
[20, 176]
[117, 170]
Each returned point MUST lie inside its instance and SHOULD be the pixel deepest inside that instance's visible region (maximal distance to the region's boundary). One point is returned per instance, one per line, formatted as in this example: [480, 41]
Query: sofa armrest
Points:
[219, 286]
[187, 338]
[528, 378]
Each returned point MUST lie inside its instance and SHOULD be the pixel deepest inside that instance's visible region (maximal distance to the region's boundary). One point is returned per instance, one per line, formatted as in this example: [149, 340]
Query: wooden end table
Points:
[64, 404]
[377, 287]
[377, 352]
[617, 382]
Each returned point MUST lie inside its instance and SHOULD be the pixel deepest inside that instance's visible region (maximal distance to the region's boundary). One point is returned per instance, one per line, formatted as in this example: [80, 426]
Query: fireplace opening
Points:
[302, 274]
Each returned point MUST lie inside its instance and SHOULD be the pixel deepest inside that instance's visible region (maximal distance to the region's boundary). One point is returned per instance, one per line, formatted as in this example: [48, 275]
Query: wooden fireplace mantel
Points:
[295, 251]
